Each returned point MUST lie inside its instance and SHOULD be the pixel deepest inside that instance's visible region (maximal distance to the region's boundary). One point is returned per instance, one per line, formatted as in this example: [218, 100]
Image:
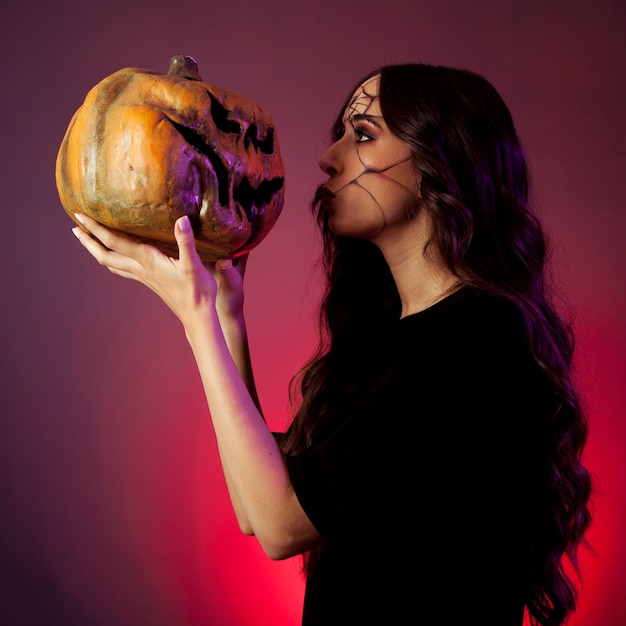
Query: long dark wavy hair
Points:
[475, 188]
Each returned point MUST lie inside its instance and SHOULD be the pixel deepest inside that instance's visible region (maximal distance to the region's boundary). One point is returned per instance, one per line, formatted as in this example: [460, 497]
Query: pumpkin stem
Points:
[184, 66]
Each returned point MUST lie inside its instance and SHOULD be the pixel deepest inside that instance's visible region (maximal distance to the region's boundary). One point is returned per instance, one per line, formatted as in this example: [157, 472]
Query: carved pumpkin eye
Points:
[221, 117]
[146, 148]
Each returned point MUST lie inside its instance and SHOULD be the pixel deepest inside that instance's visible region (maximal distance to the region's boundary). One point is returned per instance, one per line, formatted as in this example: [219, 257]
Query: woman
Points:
[432, 472]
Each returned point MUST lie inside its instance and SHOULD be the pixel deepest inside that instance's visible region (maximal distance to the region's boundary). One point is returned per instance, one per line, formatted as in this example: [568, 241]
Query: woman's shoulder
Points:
[467, 320]
[468, 307]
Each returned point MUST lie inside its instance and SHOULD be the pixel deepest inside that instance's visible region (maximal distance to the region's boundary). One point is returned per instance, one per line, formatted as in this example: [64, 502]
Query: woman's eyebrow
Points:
[372, 119]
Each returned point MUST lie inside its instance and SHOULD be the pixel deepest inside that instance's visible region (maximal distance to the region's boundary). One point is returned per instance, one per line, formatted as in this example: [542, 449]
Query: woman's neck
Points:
[420, 288]
[421, 277]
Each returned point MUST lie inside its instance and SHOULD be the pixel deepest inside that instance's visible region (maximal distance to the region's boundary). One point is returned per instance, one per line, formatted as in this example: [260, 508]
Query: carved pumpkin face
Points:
[146, 148]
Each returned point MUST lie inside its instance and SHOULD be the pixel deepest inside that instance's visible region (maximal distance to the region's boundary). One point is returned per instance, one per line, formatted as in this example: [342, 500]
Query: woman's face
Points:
[371, 178]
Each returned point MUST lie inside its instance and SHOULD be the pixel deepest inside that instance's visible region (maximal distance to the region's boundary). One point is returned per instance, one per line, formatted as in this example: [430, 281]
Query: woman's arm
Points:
[229, 305]
[252, 462]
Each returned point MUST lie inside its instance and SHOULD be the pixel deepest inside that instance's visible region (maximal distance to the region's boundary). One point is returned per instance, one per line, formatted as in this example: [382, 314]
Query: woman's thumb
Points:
[185, 238]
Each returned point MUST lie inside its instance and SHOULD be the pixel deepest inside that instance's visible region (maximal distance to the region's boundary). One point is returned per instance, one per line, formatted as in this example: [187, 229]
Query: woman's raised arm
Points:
[209, 304]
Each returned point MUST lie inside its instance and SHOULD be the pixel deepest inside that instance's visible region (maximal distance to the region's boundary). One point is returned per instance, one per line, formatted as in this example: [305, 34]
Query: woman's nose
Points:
[328, 162]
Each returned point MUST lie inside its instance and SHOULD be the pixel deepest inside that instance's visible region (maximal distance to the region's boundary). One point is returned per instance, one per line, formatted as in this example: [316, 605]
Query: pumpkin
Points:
[146, 148]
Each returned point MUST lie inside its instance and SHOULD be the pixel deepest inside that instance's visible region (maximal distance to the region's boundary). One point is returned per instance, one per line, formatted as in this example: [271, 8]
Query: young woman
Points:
[433, 469]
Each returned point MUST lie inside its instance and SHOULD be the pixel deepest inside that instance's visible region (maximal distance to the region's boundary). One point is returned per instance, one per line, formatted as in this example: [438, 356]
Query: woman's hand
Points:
[184, 284]
[228, 275]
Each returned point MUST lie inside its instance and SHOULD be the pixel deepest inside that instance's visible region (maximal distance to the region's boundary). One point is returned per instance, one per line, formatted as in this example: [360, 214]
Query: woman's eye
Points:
[360, 135]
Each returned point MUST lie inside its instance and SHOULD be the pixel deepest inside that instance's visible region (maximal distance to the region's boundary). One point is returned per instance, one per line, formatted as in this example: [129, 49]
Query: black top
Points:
[425, 487]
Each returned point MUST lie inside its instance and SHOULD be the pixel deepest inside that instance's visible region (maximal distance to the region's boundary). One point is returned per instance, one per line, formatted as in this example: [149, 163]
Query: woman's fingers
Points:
[120, 255]
[229, 276]
[231, 271]
[223, 265]
[183, 283]
[107, 238]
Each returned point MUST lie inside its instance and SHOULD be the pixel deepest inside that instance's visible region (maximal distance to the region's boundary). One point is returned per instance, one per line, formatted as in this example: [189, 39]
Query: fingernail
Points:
[184, 223]
[76, 230]
[79, 218]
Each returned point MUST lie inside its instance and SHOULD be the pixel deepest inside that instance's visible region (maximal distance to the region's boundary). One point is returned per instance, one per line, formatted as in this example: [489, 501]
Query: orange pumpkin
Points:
[146, 148]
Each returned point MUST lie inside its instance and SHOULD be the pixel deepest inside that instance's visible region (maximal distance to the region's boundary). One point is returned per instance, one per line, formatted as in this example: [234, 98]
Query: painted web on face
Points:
[362, 106]
[362, 101]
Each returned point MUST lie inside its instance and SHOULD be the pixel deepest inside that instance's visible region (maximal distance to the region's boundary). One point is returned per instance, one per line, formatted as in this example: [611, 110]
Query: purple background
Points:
[113, 509]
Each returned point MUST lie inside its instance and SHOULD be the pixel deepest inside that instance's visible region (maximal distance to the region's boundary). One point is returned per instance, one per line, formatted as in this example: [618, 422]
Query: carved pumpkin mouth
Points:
[249, 198]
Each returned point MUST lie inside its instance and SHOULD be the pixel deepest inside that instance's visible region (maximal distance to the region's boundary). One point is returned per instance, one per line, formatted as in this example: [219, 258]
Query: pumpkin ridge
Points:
[105, 97]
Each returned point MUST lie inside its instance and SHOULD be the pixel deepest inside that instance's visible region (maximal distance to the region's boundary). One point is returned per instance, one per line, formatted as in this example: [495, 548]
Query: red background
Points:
[113, 506]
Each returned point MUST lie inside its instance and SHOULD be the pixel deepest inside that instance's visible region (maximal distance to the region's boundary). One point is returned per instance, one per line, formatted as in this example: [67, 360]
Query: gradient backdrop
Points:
[113, 510]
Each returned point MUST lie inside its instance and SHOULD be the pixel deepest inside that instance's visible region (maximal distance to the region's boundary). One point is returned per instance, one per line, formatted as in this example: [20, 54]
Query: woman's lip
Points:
[324, 196]
[327, 198]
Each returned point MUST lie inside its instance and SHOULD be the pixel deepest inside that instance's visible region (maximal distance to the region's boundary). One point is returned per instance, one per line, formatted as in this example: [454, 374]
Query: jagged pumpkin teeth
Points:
[146, 148]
